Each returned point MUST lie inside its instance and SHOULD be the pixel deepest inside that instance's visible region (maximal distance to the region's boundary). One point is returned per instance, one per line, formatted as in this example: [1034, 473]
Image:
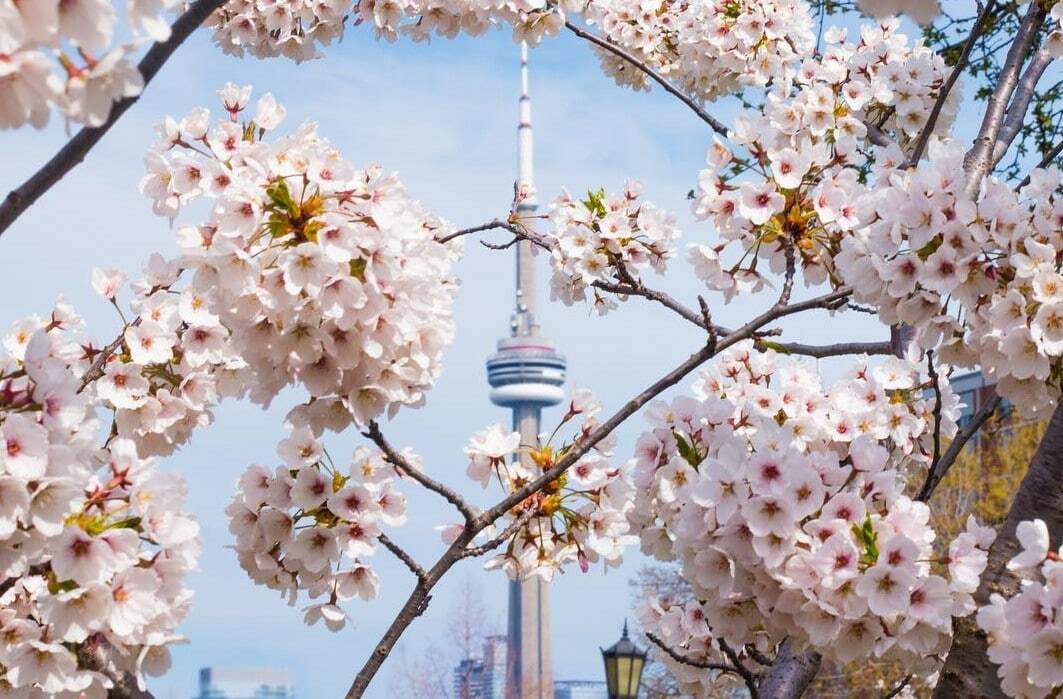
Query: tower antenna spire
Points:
[526, 375]
[524, 320]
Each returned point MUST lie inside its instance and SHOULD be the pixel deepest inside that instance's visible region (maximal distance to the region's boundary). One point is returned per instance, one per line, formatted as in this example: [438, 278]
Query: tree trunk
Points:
[790, 674]
[967, 671]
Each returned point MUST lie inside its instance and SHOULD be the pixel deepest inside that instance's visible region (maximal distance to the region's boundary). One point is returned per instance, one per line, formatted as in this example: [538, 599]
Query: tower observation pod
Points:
[526, 371]
[526, 374]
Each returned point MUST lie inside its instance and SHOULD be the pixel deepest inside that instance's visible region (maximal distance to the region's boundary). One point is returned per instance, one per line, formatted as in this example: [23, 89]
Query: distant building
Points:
[245, 683]
[484, 676]
[973, 391]
[494, 662]
[580, 689]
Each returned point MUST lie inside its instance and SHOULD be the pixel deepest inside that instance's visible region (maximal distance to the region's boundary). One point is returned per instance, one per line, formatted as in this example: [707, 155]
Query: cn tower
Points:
[526, 375]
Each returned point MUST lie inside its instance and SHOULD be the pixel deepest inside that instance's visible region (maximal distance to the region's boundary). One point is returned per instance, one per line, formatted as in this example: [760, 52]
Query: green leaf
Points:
[928, 249]
[595, 202]
[358, 266]
[281, 198]
[687, 450]
[768, 344]
[128, 523]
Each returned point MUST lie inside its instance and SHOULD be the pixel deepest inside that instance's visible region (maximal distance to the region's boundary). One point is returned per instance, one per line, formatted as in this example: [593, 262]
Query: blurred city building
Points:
[580, 689]
[245, 683]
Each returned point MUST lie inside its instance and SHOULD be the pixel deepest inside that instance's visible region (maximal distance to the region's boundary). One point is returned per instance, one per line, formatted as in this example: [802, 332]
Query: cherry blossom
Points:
[798, 195]
[310, 527]
[62, 55]
[93, 543]
[580, 517]
[1025, 631]
[784, 504]
[606, 239]
[976, 277]
[709, 48]
[307, 270]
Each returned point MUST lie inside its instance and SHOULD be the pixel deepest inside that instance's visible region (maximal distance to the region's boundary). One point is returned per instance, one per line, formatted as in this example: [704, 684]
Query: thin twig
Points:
[748, 677]
[406, 468]
[898, 688]
[493, 543]
[950, 82]
[1049, 159]
[96, 369]
[938, 473]
[20, 199]
[403, 556]
[700, 664]
[935, 381]
[712, 121]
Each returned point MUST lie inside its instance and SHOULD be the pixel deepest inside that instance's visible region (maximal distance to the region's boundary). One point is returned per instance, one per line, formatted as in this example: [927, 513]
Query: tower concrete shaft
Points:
[526, 375]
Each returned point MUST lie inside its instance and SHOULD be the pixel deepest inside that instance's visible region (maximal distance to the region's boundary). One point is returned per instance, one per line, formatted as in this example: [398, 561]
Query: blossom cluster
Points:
[978, 276]
[581, 516]
[606, 239]
[291, 28]
[307, 270]
[94, 546]
[783, 502]
[1025, 631]
[296, 28]
[799, 194]
[171, 364]
[307, 526]
[708, 48]
[62, 55]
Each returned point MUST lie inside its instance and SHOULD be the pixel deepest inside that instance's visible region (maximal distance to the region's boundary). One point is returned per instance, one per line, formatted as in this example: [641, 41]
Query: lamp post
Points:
[623, 667]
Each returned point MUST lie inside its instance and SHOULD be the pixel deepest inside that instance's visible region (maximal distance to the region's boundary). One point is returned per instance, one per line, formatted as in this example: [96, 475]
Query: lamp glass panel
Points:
[623, 673]
[610, 674]
[636, 674]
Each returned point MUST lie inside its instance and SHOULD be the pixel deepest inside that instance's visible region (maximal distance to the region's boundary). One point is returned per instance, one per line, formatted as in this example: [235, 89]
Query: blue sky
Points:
[444, 117]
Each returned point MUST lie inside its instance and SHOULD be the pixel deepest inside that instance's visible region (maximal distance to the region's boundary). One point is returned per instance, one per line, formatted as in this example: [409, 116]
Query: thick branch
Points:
[407, 469]
[790, 674]
[979, 159]
[967, 671]
[1020, 103]
[77, 148]
[712, 121]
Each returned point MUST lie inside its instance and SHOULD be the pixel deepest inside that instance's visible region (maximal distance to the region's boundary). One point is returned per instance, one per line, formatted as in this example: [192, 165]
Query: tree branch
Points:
[407, 469]
[492, 544]
[790, 674]
[950, 82]
[1050, 158]
[403, 556]
[704, 664]
[70, 155]
[419, 598]
[714, 123]
[1020, 103]
[938, 470]
[979, 159]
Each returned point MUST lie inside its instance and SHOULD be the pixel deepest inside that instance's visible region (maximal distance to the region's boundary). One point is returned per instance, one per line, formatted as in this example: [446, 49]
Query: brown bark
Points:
[967, 671]
[790, 674]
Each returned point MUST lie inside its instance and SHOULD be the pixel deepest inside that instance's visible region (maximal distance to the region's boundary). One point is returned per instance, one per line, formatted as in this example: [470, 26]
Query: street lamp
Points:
[623, 667]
